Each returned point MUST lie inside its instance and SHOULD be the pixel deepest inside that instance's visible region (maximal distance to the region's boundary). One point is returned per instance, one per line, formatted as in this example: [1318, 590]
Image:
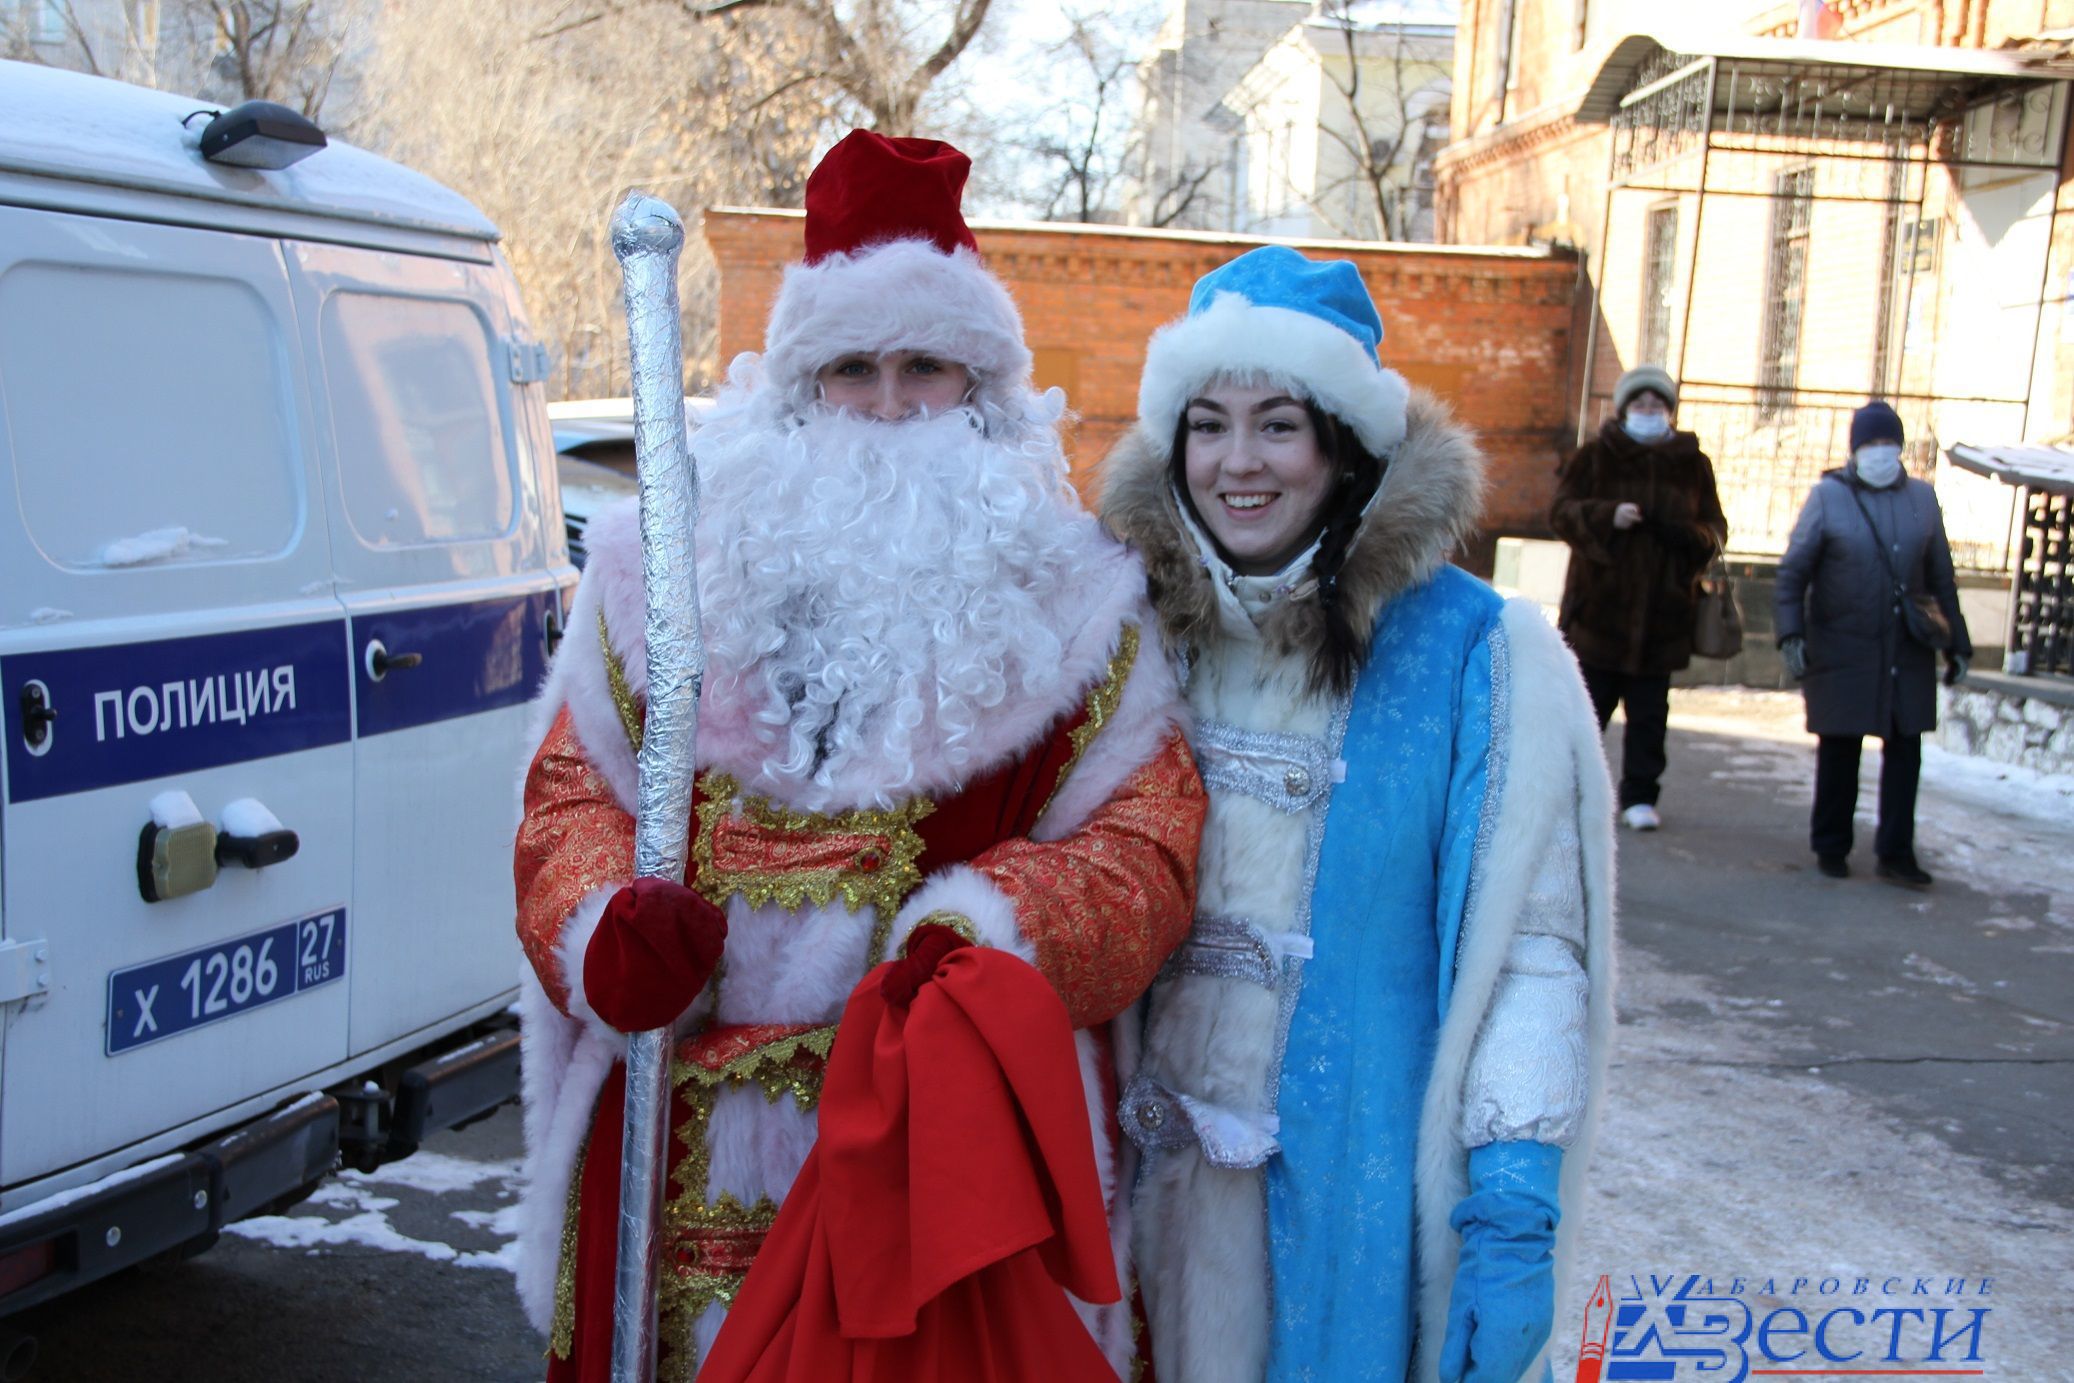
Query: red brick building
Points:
[1490, 330]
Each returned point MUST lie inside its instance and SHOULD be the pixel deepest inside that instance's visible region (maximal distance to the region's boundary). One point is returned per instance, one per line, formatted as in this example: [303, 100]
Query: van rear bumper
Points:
[182, 1201]
[170, 1203]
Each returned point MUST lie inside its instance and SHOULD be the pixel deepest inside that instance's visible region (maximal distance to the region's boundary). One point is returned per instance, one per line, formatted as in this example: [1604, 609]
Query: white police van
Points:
[281, 562]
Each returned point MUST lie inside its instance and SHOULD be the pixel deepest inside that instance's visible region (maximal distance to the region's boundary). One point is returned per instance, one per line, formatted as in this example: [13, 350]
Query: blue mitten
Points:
[1503, 1305]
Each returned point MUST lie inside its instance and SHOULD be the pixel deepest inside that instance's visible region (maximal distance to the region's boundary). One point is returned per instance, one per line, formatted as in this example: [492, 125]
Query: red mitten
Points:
[654, 950]
[927, 945]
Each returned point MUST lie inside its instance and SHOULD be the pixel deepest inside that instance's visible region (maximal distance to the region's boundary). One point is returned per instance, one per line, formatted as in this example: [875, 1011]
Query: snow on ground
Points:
[354, 1212]
[1998, 827]
[1711, 1159]
[1716, 1157]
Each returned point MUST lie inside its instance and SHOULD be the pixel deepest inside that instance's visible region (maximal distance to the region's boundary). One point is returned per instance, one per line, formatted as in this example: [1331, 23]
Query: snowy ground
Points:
[1722, 1152]
[354, 1208]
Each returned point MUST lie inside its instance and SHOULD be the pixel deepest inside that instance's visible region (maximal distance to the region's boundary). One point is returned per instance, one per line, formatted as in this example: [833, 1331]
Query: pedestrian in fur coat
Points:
[1370, 1073]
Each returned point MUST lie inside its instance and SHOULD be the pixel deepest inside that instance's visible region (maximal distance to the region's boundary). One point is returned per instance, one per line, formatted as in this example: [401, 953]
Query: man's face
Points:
[893, 385]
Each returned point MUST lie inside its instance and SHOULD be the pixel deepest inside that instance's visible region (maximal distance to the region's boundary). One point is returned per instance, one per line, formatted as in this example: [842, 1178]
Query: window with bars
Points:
[1785, 294]
[1659, 272]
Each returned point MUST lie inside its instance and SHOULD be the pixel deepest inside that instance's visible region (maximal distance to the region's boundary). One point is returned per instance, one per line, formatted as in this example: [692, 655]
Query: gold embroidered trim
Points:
[880, 878]
[562, 1338]
[956, 921]
[772, 1066]
[630, 717]
[1101, 708]
[684, 1292]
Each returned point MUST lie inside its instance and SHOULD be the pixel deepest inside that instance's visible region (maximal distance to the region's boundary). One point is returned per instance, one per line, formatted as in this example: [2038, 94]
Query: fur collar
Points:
[1431, 498]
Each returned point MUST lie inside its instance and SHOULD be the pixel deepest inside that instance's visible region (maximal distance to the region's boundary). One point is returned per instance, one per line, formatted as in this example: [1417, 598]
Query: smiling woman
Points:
[1380, 1042]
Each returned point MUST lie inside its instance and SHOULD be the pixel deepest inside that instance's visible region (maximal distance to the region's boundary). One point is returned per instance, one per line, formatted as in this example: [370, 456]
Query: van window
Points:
[149, 416]
[414, 408]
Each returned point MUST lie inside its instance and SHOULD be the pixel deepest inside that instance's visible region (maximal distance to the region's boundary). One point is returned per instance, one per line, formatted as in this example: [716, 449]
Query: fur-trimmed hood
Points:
[1430, 499]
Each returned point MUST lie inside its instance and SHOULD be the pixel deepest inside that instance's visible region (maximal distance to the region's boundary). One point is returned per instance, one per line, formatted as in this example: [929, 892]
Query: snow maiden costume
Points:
[927, 704]
[1370, 1072]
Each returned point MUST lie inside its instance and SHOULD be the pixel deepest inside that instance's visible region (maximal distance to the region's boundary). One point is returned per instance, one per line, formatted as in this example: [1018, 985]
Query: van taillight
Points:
[22, 1266]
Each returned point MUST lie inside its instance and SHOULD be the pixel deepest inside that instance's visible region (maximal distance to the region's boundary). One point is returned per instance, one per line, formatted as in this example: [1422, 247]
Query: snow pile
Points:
[360, 1213]
[173, 809]
[248, 816]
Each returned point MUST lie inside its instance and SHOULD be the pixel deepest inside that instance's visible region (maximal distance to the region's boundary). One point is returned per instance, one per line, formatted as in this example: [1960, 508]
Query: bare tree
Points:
[55, 33]
[546, 130]
[1385, 101]
[1079, 140]
[286, 51]
[882, 56]
[1090, 154]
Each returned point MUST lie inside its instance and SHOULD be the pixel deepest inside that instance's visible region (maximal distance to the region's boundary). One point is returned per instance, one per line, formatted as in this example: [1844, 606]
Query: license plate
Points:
[207, 985]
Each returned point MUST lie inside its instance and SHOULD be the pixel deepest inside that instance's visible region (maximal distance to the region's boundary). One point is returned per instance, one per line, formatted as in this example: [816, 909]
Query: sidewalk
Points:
[1821, 1078]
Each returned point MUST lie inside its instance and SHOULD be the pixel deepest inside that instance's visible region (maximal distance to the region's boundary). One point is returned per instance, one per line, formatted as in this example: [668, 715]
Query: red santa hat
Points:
[891, 265]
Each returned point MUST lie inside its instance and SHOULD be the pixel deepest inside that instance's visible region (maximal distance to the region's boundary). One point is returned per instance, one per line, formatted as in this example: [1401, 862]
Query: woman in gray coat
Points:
[1864, 530]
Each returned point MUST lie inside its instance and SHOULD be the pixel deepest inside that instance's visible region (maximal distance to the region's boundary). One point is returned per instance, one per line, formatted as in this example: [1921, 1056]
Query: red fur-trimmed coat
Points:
[1069, 838]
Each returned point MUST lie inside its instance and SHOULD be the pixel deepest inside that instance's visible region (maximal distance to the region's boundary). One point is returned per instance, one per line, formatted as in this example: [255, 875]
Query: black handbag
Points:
[1717, 624]
[1921, 615]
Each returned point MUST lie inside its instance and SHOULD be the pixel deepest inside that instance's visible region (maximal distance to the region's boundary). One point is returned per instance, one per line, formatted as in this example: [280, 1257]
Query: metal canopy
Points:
[1862, 129]
[1920, 84]
[2050, 469]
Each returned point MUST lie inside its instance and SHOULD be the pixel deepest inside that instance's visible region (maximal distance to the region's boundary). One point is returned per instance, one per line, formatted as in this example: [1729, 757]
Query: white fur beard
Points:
[867, 586]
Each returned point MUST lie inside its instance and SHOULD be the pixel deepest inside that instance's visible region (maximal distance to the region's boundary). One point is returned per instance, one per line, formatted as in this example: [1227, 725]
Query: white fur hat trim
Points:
[1236, 337]
[902, 295]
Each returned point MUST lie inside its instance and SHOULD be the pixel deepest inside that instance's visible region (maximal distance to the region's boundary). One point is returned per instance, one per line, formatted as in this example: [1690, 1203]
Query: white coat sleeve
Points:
[1528, 1072]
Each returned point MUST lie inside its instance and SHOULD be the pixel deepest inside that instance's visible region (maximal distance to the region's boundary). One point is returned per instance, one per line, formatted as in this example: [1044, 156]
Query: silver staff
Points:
[646, 236]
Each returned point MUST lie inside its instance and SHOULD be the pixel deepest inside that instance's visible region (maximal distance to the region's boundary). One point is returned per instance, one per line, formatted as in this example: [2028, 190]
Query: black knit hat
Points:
[1875, 422]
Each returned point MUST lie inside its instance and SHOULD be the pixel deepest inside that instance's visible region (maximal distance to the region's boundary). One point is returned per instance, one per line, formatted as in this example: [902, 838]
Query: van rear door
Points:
[166, 595]
[436, 525]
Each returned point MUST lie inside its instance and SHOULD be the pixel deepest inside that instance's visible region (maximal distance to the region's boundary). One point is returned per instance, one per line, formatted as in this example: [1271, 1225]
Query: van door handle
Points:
[380, 660]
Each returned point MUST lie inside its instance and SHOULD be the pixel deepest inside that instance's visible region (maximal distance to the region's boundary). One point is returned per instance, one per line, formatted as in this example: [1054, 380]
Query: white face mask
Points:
[1647, 427]
[1878, 463]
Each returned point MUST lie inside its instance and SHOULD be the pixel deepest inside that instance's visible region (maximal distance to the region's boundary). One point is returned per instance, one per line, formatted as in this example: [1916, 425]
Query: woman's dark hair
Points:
[1357, 473]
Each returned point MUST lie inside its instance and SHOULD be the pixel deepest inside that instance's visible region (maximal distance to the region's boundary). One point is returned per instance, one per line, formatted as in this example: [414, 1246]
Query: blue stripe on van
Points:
[476, 657]
[134, 711]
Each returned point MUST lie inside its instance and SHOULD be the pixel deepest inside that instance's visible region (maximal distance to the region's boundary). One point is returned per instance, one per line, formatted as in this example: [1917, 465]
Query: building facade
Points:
[1796, 207]
[1309, 120]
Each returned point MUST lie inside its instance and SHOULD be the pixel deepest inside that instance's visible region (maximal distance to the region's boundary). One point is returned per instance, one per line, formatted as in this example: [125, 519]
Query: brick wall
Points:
[1488, 330]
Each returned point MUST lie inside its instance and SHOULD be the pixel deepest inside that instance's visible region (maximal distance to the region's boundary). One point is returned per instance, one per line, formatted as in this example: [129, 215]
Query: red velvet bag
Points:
[949, 1205]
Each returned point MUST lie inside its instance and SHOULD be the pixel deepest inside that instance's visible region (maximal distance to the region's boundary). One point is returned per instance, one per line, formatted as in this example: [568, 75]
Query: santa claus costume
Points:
[933, 696]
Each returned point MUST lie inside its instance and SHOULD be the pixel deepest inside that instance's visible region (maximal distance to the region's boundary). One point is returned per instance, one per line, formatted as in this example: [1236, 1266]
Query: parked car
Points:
[587, 487]
[594, 442]
[281, 564]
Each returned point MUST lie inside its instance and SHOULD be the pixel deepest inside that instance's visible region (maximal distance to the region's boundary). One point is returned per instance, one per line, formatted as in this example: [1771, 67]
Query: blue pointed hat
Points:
[1272, 314]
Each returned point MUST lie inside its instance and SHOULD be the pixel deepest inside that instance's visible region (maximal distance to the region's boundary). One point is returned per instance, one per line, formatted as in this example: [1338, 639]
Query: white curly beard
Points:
[870, 586]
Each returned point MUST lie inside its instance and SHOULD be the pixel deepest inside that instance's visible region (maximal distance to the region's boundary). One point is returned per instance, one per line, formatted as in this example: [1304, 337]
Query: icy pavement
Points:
[1989, 824]
[1820, 1079]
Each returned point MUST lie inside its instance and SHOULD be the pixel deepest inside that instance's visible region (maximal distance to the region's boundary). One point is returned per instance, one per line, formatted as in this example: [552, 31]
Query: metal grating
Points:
[2041, 636]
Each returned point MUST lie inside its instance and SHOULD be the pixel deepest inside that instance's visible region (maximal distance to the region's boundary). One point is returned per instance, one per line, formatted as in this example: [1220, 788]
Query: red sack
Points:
[949, 1205]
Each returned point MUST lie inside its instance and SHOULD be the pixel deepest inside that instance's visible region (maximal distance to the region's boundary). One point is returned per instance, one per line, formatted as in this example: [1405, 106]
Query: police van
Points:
[281, 564]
